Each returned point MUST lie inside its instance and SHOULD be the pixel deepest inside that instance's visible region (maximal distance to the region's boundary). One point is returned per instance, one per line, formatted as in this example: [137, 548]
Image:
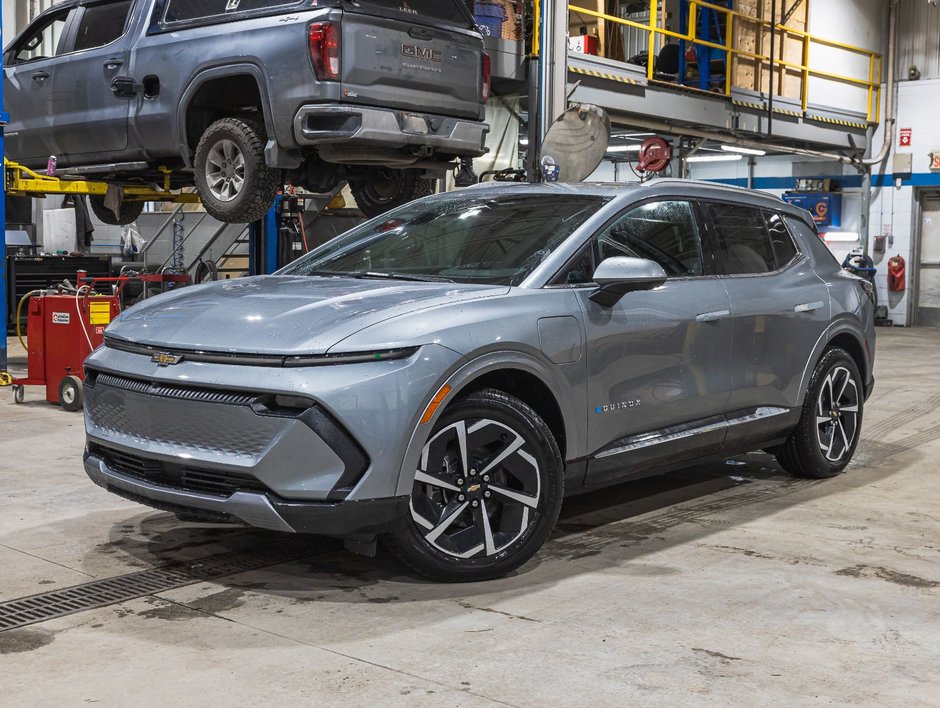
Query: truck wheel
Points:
[487, 492]
[387, 189]
[234, 182]
[70, 393]
[128, 212]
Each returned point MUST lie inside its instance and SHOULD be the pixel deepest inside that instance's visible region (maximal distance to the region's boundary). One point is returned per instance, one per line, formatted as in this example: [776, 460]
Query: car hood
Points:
[288, 315]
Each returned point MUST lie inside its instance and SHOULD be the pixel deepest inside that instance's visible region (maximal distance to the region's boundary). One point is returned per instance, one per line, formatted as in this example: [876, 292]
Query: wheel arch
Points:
[209, 82]
[843, 334]
[518, 374]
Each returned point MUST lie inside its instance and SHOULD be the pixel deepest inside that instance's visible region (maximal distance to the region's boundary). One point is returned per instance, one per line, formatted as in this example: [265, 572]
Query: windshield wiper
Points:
[400, 276]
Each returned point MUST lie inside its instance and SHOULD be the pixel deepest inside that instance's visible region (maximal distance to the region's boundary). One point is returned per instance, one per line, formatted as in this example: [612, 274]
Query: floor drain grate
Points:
[111, 591]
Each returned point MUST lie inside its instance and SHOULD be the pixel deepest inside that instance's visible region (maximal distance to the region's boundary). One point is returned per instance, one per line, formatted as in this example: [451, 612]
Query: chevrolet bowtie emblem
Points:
[164, 359]
[473, 488]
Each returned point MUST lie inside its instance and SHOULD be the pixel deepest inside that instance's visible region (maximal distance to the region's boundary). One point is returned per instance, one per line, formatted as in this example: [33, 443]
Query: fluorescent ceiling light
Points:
[714, 158]
[634, 135]
[624, 148]
[847, 236]
[742, 151]
[524, 141]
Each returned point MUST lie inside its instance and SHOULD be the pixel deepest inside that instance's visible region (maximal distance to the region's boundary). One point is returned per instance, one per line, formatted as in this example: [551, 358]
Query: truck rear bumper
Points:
[342, 519]
[360, 126]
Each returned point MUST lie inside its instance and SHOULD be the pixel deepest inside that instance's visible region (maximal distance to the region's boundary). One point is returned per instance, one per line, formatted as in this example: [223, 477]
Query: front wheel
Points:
[824, 441]
[487, 492]
[234, 182]
[387, 189]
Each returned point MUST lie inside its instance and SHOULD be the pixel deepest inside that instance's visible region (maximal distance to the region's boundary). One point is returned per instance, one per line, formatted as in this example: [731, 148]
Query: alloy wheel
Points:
[477, 490]
[837, 410]
[225, 170]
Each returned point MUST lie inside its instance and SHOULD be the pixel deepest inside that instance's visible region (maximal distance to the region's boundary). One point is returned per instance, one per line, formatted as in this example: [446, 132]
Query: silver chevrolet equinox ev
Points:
[440, 377]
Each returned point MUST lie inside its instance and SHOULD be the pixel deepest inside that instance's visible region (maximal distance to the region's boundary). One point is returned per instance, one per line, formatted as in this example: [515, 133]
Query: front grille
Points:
[164, 390]
[186, 478]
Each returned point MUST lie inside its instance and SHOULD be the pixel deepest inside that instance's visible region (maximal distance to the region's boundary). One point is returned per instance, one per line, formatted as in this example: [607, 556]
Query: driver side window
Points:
[42, 41]
[663, 232]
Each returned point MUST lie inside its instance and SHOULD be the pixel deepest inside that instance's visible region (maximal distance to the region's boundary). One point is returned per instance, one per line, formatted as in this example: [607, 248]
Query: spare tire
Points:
[129, 211]
[386, 189]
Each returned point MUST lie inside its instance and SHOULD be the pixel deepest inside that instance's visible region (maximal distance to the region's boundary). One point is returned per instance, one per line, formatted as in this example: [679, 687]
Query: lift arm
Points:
[21, 181]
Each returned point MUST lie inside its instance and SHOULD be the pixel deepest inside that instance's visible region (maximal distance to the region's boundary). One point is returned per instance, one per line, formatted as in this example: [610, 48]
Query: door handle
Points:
[40, 76]
[810, 306]
[713, 316]
[112, 64]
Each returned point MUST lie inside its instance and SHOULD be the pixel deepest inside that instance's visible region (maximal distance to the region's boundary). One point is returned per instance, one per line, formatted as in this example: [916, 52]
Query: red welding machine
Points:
[62, 329]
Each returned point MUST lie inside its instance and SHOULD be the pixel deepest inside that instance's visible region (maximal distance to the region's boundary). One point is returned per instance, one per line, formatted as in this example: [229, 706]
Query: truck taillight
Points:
[324, 50]
[487, 78]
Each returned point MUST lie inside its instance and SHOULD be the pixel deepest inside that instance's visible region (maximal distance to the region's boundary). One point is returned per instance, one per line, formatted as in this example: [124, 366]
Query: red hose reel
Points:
[897, 274]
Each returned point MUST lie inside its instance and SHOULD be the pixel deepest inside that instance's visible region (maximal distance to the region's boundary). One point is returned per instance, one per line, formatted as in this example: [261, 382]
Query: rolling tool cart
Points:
[63, 326]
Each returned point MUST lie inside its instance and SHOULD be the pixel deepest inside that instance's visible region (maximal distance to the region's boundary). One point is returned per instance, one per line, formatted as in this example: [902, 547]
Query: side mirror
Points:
[621, 275]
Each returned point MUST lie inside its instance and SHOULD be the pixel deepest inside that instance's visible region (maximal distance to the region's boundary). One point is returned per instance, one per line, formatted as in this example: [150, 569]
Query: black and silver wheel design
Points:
[476, 490]
[487, 492]
[837, 410]
[825, 438]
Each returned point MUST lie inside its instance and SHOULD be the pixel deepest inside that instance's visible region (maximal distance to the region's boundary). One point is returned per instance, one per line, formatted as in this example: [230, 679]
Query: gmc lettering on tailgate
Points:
[426, 53]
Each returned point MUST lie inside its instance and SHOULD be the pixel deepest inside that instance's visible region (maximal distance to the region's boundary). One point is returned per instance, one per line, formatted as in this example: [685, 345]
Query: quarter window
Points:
[743, 239]
[780, 240]
[102, 24]
[43, 41]
[663, 232]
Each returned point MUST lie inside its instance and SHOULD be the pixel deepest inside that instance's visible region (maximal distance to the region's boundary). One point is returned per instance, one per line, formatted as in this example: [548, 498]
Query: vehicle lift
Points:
[65, 323]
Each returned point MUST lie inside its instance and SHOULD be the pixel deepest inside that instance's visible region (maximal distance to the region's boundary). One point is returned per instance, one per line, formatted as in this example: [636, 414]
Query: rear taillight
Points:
[325, 50]
[487, 78]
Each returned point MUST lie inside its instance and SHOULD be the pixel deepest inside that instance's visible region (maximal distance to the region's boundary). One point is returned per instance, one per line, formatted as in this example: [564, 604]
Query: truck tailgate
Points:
[397, 64]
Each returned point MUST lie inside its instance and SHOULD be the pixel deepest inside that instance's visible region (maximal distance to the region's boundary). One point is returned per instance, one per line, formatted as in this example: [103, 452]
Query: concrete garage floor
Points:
[732, 583]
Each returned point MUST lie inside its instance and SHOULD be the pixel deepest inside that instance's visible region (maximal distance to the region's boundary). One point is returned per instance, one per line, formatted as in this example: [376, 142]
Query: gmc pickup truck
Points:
[239, 97]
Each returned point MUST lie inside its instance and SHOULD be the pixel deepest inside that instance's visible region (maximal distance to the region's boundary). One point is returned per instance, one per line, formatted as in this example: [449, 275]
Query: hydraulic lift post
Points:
[4, 119]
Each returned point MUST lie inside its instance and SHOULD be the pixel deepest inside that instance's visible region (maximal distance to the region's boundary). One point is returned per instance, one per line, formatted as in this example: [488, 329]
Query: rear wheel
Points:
[234, 182]
[487, 493]
[824, 441]
[128, 211]
[70, 393]
[386, 189]
[19, 393]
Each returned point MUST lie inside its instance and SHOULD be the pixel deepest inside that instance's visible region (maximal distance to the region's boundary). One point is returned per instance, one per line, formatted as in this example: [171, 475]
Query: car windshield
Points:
[468, 239]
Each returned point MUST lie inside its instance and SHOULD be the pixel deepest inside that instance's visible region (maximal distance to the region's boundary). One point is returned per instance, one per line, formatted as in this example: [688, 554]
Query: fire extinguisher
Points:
[897, 279]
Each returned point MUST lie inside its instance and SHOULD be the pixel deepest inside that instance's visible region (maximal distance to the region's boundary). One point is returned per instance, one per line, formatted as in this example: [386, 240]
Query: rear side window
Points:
[781, 243]
[663, 232]
[187, 10]
[743, 239]
[101, 24]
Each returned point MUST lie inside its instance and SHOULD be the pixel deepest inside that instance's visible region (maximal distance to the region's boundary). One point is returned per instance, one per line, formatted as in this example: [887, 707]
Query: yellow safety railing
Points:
[871, 83]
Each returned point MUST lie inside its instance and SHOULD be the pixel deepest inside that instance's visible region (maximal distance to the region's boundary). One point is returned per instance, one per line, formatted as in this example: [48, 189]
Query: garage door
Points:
[928, 300]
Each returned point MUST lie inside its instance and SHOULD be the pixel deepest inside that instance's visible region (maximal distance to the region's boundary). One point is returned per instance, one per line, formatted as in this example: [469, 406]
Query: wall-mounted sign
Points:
[935, 161]
[905, 137]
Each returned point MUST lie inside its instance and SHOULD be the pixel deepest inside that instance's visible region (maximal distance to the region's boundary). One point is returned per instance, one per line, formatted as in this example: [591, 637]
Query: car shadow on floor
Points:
[610, 530]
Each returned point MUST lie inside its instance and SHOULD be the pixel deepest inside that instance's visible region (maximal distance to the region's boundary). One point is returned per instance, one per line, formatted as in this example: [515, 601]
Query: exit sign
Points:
[905, 138]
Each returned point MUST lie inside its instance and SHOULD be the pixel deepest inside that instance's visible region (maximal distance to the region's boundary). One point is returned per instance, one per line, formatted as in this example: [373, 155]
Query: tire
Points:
[70, 393]
[19, 394]
[129, 211]
[234, 182]
[825, 439]
[482, 523]
[388, 189]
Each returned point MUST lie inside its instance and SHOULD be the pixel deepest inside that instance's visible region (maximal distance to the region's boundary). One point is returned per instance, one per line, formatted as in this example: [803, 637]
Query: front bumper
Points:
[362, 127]
[342, 519]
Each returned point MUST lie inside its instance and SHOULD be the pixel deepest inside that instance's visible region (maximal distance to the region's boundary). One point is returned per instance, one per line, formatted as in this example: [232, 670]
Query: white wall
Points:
[856, 22]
